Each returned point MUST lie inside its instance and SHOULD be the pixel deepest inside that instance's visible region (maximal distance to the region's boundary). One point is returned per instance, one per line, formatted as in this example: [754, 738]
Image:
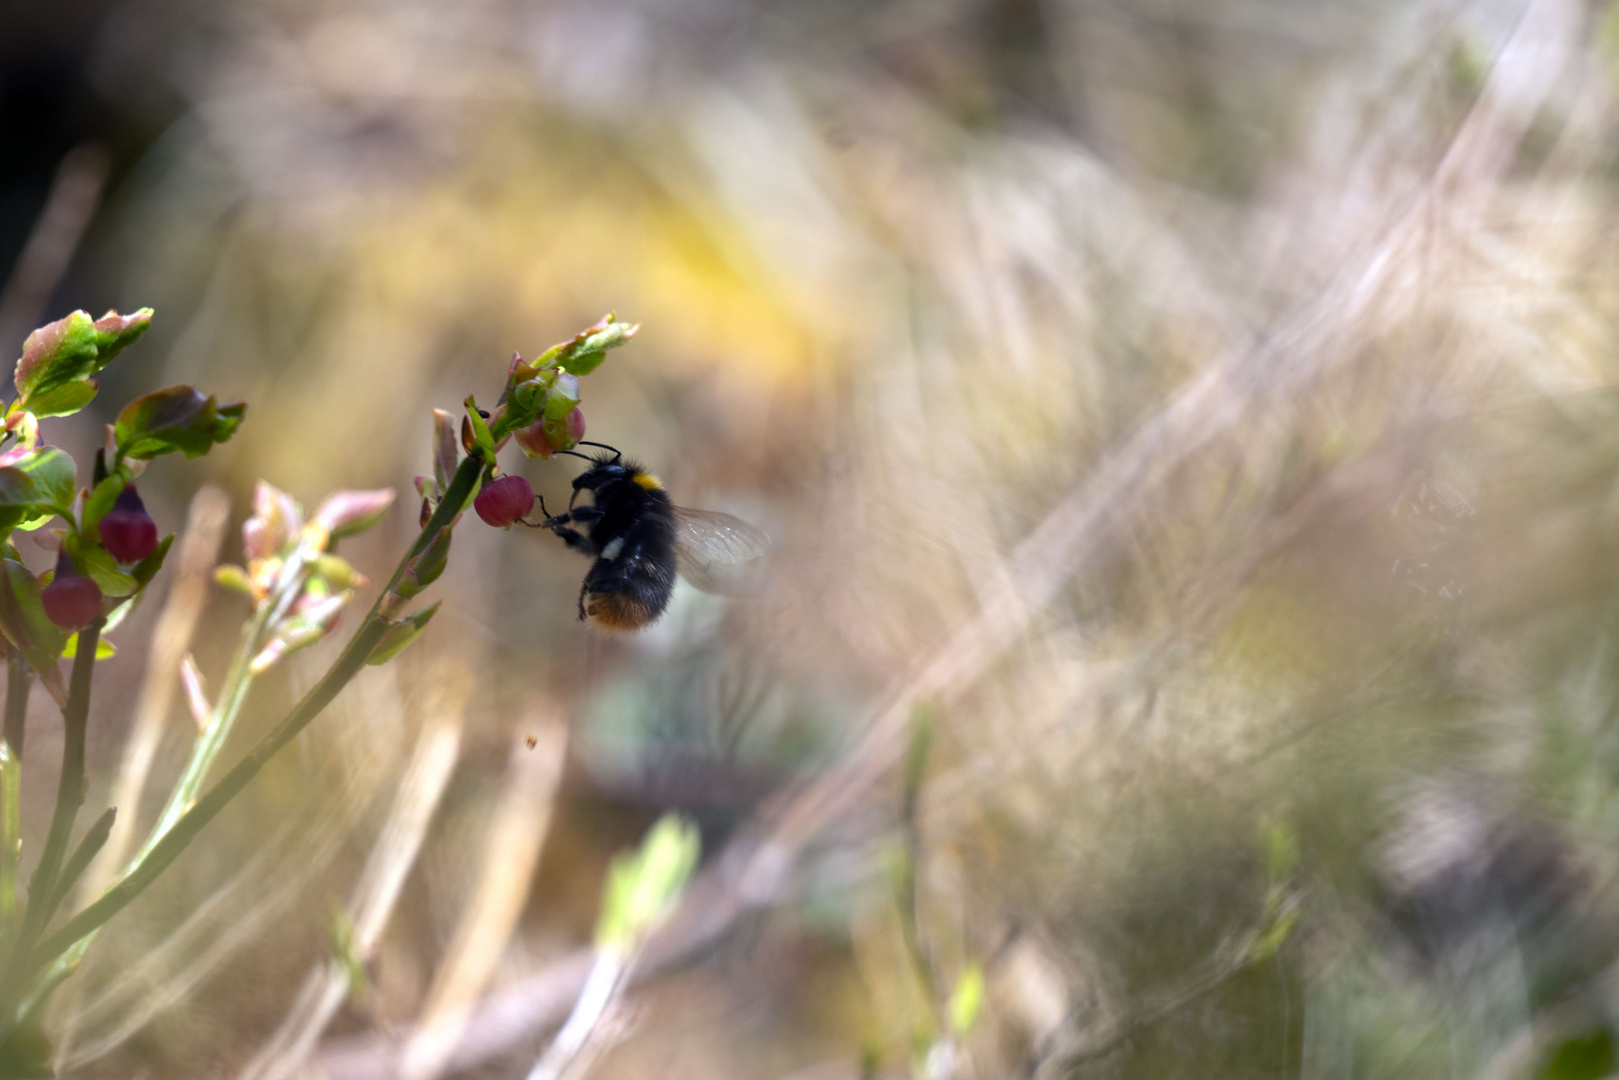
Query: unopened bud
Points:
[544, 437]
[127, 530]
[503, 501]
[72, 601]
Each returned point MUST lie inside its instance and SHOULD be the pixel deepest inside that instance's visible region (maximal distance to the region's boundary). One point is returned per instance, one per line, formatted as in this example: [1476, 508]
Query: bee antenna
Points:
[617, 453]
[571, 453]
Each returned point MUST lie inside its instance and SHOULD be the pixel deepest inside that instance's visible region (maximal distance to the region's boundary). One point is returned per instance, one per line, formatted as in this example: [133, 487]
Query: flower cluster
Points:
[539, 408]
[298, 584]
[108, 547]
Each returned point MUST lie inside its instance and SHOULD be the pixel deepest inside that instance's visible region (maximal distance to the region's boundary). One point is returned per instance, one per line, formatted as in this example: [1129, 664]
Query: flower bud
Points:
[72, 601]
[536, 441]
[127, 530]
[503, 501]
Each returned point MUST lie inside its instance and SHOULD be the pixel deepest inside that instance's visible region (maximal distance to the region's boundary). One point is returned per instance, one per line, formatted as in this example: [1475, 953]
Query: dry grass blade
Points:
[516, 837]
[374, 894]
[1374, 267]
[269, 885]
[72, 201]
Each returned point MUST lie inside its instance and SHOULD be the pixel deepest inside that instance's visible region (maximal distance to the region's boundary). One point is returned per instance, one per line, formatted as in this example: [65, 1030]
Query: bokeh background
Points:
[1194, 423]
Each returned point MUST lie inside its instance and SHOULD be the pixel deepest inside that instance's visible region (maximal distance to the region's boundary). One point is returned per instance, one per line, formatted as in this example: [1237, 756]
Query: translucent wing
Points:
[715, 550]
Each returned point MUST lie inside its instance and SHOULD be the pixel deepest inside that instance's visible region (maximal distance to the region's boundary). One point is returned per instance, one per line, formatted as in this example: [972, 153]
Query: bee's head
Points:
[602, 473]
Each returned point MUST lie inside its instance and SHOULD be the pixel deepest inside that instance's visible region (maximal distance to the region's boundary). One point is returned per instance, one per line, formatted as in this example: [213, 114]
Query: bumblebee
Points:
[641, 541]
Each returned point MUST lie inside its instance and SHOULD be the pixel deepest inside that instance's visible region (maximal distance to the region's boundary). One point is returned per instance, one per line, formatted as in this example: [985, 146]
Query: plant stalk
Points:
[10, 841]
[19, 680]
[211, 739]
[42, 892]
[347, 665]
[69, 788]
[91, 843]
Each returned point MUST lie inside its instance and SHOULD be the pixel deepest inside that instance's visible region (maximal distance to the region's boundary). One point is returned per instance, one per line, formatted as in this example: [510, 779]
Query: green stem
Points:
[69, 788]
[10, 841]
[92, 842]
[210, 741]
[347, 665]
[19, 680]
[212, 738]
[69, 796]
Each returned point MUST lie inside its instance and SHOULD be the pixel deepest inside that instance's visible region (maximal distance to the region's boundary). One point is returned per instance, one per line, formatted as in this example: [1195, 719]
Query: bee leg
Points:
[577, 541]
[584, 590]
[586, 515]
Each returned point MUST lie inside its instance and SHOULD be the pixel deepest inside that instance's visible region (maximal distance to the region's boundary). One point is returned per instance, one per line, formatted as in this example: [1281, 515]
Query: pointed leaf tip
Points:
[345, 513]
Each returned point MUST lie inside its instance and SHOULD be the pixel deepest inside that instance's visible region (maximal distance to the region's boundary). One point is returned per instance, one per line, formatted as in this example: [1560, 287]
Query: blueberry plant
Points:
[108, 551]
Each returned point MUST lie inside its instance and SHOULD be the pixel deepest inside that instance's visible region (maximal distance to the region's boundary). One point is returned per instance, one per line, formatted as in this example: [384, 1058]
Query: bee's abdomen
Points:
[620, 611]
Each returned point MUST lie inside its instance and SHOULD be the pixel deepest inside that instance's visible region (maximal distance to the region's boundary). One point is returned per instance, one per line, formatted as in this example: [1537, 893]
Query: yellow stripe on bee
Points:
[648, 481]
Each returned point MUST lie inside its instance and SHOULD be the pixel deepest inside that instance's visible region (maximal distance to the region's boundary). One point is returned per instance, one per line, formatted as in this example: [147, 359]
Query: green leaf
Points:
[642, 886]
[23, 619]
[97, 563]
[63, 400]
[233, 578]
[588, 349]
[104, 648]
[227, 419]
[123, 611]
[967, 1000]
[1588, 1056]
[145, 570]
[58, 359]
[1281, 852]
[40, 483]
[25, 1053]
[177, 418]
[563, 397]
[481, 437]
[346, 513]
[400, 635]
[337, 571]
[446, 449]
[102, 497]
[528, 397]
[1274, 936]
[425, 568]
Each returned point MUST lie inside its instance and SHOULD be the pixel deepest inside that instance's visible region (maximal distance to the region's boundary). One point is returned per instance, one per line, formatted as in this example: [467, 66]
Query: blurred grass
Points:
[1312, 308]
